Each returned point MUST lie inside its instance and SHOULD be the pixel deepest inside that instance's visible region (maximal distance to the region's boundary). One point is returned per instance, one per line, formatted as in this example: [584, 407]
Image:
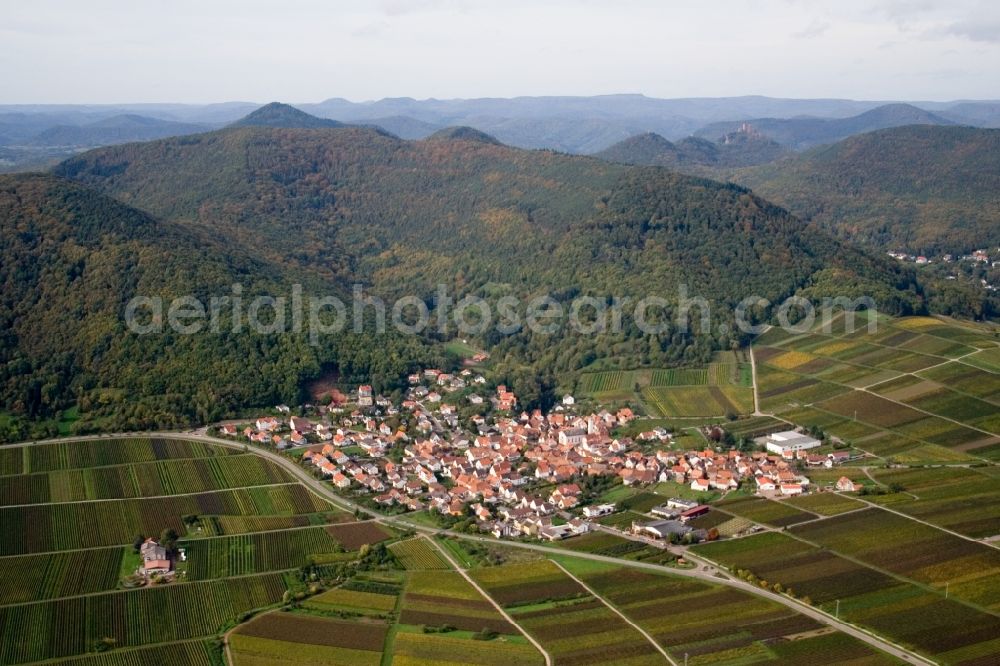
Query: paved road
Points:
[707, 572]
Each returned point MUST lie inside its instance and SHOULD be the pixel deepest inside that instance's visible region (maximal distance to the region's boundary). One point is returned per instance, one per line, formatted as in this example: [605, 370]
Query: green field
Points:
[417, 553]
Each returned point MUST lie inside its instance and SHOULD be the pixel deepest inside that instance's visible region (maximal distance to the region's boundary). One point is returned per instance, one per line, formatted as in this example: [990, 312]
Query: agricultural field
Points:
[770, 512]
[456, 648]
[527, 584]
[25, 578]
[102, 452]
[825, 504]
[961, 499]
[919, 552]
[46, 527]
[164, 477]
[293, 638]
[572, 625]
[712, 624]
[352, 601]
[949, 631]
[222, 557]
[445, 599]
[692, 401]
[354, 535]
[75, 625]
[904, 392]
[183, 653]
[417, 553]
[713, 390]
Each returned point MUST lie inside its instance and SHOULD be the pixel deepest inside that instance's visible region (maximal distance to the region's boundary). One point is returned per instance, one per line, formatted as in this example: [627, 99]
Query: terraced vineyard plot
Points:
[960, 499]
[100, 452]
[411, 649]
[36, 577]
[418, 554]
[222, 557]
[355, 535]
[681, 377]
[445, 599]
[185, 653]
[900, 611]
[914, 550]
[289, 638]
[691, 401]
[356, 601]
[48, 527]
[713, 624]
[528, 583]
[825, 504]
[601, 382]
[167, 477]
[68, 627]
[11, 460]
[769, 512]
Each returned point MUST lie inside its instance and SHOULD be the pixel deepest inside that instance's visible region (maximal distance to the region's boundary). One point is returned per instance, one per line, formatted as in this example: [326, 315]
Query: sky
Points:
[103, 51]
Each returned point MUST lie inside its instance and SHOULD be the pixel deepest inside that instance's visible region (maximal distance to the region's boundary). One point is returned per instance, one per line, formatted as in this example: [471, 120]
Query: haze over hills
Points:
[569, 124]
[802, 133]
[329, 207]
[924, 189]
[116, 129]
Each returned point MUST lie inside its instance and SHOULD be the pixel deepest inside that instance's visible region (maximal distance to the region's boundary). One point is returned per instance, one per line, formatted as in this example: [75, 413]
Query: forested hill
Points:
[71, 259]
[330, 207]
[695, 155]
[924, 189]
[406, 215]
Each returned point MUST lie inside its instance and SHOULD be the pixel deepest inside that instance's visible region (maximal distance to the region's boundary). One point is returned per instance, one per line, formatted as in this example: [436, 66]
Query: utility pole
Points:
[946, 584]
[837, 614]
[685, 659]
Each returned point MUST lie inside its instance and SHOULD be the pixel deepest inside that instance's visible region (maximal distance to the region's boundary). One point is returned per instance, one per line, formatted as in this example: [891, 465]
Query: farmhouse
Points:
[599, 510]
[154, 557]
[789, 442]
[846, 485]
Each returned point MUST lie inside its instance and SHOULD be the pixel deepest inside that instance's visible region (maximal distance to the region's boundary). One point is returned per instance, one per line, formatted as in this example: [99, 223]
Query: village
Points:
[522, 474]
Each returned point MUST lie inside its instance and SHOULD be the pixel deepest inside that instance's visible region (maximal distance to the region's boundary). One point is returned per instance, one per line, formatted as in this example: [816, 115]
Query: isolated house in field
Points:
[846, 485]
[154, 557]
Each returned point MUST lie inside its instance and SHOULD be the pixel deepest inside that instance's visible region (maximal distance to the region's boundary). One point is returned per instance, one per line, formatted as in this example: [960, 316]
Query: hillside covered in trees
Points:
[332, 207]
[922, 188]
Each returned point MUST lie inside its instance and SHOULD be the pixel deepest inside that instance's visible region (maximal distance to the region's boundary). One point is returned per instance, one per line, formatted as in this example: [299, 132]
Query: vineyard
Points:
[68, 627]
[26, 578]
[46, 527]
[417, 554]
[101, 452]
[222, 557]
[167, 477]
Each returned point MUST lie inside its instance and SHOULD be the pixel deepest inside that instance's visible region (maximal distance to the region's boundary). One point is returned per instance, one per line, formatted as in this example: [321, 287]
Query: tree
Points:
[137, 542]
[168, 538]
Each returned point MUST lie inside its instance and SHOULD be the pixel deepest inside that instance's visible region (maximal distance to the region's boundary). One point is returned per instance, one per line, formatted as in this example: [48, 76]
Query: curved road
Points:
[707, 572]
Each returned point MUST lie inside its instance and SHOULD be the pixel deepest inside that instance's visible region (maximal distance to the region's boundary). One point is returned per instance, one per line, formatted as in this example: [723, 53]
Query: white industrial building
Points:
[788, 443]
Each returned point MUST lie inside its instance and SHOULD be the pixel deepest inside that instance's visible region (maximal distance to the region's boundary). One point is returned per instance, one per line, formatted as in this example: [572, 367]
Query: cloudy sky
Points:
[303, 51]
